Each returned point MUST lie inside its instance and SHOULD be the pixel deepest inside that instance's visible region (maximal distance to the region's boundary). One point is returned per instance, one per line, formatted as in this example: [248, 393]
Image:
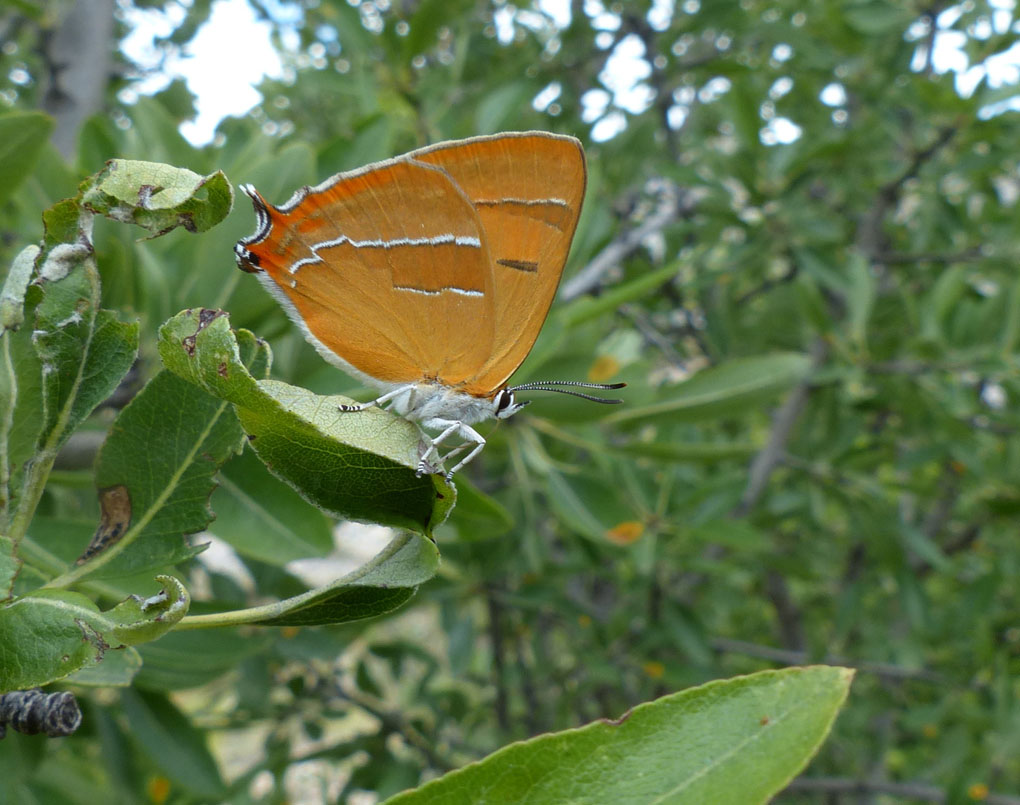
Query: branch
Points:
[791, 623]
[396, 724]
[966, 256]
[498, 662]
[869, 232]
[652, 334]
[782, 428]
[912, 791]
[79, 59]
[728, 645]
[672, 202]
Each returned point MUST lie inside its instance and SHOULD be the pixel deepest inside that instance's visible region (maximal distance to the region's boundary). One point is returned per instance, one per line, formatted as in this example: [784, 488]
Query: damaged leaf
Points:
[158, 197]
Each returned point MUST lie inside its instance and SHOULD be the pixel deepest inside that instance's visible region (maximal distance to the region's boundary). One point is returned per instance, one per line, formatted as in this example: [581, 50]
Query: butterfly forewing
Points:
[437, 265]
[527, 190]
[387, 268]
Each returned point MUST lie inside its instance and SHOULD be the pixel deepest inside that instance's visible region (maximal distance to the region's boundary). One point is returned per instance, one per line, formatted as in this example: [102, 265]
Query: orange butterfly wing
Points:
[437, 265]
[528, 189]
[382, 267]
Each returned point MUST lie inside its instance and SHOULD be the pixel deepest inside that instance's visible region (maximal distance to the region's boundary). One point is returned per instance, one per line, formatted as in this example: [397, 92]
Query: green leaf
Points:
[83, 362]
[21, 409]
[740, 740]
[12, 297]
[117, 670]
[358, 466]
[10, 565]
[50, 634]
[158, 197]
[479, 516]
[860, 298]
[185, 659]
[878, 18]
[375, 588]
[586, 308]
[139, 620]
[265, 519]
[914, 539]
[155, 475]
[23, 136]
[731, 387]
[700, 452]
[81, 354]
[47, 636]
[942, 301]
[172, 742]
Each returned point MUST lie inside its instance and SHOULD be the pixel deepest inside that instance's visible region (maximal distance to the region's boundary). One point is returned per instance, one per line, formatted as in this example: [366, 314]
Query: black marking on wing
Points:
[519, 265]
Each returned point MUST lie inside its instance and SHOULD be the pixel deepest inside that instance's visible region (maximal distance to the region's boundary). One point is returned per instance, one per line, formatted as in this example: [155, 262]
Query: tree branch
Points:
[912, 791]
[786, 416]
[789, 657]
[672, 202]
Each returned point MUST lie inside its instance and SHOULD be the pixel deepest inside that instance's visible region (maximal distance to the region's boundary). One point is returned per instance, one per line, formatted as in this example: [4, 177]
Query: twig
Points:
[668, 209]
[767, 285]
[652, 335]
[782, 428]
[790, 657]
[869, 232]
[791, 624]
[498, 663]
[912, 791]
[966, 256]
[396, 724]
[533, 712]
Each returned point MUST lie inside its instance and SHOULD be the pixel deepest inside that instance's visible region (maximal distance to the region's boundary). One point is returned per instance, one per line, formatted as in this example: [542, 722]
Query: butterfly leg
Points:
[473, 440]
[385, 398]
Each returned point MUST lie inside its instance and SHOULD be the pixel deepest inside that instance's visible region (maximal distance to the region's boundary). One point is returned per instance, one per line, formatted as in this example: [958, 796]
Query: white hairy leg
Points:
[472, 438]
[385, 398]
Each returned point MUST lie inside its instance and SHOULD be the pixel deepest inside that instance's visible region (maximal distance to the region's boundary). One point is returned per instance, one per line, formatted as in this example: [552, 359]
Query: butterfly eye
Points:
[504, 400]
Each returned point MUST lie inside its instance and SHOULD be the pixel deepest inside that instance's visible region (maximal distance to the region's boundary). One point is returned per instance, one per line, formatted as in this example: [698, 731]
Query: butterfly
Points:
[428, 276]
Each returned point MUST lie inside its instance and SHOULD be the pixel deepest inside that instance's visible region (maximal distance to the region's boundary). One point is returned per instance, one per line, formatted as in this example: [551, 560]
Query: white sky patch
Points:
[833, 95]
[503, 19]
[625, 70]
[558, 11]
[949, 53]
[547, 96]
[780, 131]
[232, 53]
[221, 65]
[660, 15]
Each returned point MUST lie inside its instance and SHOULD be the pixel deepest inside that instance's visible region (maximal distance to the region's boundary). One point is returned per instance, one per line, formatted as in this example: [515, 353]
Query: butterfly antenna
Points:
[550, 385]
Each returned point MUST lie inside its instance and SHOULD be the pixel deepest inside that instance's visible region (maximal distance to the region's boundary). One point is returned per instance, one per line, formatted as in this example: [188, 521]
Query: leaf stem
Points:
[5, 430]
[38, 469]
[256, 615]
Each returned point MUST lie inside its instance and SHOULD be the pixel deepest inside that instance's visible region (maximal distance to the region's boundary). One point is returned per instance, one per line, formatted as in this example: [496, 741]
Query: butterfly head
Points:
[505, 405]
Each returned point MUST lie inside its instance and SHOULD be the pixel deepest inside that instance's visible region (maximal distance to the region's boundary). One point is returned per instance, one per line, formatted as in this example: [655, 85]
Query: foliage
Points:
[817, 460]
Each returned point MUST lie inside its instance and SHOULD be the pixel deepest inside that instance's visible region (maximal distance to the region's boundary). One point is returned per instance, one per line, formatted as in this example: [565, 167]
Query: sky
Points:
[226, 86]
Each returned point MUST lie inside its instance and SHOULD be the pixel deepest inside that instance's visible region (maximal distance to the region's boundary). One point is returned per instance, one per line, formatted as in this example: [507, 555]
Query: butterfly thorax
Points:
[432, 403]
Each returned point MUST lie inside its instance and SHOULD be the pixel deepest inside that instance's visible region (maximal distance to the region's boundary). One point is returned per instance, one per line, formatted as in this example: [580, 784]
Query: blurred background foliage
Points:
[798, 248]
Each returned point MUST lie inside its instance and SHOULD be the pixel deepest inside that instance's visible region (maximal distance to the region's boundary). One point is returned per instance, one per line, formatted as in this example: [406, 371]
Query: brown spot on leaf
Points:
[188, 342]
[207, 316]
[616, 722]
[221, 370]
[90, 635]
[115, 503]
